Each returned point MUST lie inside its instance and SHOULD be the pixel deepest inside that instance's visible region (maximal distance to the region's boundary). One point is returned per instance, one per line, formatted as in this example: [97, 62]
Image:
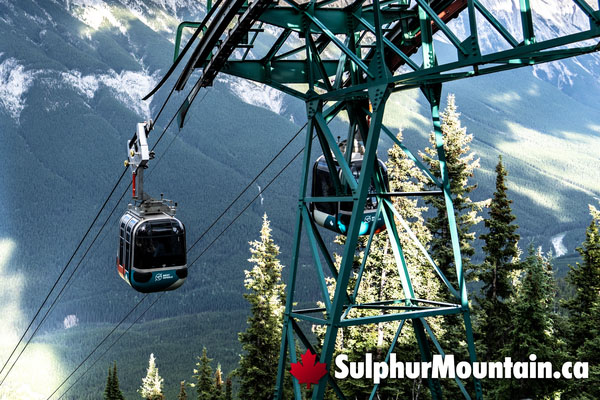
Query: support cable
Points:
[107, 349]
[65, 285]
[202, 253]
[170, 143]
[249, 185]
[101, 342]
[247, 206]
[62, 272]
[64, 269]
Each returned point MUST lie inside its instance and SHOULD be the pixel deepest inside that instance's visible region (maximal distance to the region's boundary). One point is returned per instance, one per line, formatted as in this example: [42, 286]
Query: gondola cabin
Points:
[336, 215]
[152, 250]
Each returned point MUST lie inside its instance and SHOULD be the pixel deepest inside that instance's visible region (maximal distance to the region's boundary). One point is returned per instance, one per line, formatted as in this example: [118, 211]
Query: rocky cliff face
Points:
[578, 76]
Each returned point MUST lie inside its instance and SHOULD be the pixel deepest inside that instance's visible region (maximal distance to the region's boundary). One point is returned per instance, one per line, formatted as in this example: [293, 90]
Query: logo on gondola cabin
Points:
[160, 277]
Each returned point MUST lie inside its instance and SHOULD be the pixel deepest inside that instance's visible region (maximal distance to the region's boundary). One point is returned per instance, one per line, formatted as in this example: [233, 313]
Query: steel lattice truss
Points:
[350, 57]
[319, 43]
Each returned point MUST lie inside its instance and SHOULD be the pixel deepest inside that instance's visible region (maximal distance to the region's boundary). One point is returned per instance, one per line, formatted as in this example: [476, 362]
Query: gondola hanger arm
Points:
[138, 155]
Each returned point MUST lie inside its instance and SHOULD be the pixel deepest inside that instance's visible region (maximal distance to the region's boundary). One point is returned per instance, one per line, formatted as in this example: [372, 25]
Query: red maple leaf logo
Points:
[309, 371]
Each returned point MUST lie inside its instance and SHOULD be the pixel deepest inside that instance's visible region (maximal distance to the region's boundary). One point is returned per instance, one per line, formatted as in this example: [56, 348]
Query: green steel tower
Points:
[348, 57]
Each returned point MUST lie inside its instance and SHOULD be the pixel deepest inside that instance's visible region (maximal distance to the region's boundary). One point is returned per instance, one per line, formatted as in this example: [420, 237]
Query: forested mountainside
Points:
[72, 74]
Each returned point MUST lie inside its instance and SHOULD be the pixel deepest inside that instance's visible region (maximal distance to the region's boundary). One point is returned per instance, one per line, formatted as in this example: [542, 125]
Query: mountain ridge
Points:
[66, 146]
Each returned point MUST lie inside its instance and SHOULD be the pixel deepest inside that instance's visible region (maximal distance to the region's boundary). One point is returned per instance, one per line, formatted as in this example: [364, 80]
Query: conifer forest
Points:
[314, 199]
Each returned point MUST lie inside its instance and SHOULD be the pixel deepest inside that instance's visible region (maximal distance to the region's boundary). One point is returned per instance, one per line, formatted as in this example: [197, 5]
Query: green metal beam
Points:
[314, 247]
[388, 43]
[179, 34]
[399, 316]
[334, 18]
[387, 356]
[527, 22]
[350, 246]
[291, 283]
[496, 24]
[423, 250]
[283, 71]
[323, 52]
[442, 26]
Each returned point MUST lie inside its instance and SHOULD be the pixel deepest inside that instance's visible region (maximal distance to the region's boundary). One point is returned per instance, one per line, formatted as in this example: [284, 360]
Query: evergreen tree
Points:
[228, 389]
[533, 330]
[461, 163]
[218, 391]
[203, 381]
[261, 341]
[109, 390]
[585, 277]
[584, 311]
[501, 252]
[182, 394]
[116, 391]
[589, 352]
[152, 383]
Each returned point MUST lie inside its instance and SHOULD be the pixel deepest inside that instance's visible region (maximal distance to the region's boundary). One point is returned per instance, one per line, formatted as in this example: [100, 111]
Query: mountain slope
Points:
[71, 77]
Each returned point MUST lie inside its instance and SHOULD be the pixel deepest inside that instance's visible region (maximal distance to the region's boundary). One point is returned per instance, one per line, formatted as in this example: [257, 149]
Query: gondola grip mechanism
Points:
[138, 156]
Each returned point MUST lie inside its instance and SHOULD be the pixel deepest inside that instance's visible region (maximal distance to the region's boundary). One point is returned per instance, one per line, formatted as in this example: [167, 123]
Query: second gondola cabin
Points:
[152, 248]
[336, 215]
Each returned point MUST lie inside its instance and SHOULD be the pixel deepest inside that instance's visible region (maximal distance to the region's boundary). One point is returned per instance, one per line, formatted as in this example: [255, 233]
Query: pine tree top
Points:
[109, 389]
[152, 383]
[264, 279]
[182, 393]
[261, 339]
[218, 375]
[461, 161]
[585, 276]
[118, 395]
[203, 376]
[501, 240]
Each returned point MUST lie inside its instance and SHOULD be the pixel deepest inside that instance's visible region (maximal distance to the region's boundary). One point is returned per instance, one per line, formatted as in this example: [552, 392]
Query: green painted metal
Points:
[345, 269]
[432, 16]
[323, 249]
[437, 345]
[398, 255]
[387, 356]
[291, 283]
[399, 316]
[412, 157]
[347, 58]
[527, 22]
[433, 95]
[292, 351]
[314, 247]
[365, 256]
[389, 43]
[495, 23]
[532, 52]
[179, 34]
[314, 320]
[586, 8]
[420, 246]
